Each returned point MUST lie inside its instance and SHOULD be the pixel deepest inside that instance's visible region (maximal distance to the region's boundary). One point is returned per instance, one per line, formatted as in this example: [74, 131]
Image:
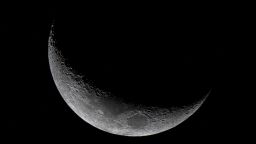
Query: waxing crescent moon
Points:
[103, 111]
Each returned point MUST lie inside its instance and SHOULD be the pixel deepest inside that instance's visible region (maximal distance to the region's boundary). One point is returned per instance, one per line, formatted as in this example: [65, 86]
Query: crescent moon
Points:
[102, 110]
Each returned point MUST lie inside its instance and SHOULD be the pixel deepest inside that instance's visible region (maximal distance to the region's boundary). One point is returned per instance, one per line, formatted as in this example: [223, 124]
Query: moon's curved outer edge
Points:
[88, 104]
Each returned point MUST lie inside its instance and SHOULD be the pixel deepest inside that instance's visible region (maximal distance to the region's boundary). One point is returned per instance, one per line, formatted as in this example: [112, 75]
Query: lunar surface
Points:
[103, 110]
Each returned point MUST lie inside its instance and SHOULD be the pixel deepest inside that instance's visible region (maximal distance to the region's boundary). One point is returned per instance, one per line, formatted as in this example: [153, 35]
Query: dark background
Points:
[196, 38]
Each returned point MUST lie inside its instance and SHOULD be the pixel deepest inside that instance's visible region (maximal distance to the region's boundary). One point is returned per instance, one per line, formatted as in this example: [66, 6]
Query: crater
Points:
[137, 121]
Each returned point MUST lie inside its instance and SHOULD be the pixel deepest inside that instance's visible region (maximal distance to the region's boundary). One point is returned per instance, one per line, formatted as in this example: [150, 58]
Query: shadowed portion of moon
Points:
[103, 108]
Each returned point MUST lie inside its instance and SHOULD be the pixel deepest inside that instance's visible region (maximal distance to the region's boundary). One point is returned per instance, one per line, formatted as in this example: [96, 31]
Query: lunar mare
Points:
[102, 110]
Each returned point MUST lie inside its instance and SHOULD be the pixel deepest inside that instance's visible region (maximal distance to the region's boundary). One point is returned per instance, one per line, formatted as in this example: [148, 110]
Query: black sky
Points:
[38, 112]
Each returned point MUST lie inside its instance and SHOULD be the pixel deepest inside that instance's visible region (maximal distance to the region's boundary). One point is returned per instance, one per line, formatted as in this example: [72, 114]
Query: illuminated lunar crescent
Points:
[104, 112]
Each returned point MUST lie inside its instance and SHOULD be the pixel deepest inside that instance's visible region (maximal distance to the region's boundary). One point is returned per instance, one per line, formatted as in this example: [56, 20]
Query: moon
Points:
[105, 111]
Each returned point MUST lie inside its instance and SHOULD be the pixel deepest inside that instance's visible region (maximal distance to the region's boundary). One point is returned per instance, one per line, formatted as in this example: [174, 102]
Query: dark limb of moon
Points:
[103, 111]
